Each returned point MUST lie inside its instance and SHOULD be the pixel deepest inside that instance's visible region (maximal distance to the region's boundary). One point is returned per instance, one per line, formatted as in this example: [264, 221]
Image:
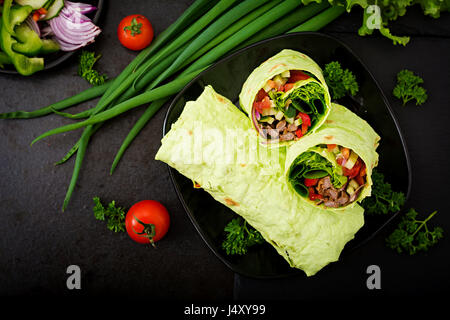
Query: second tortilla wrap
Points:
[345, 130]
[290, 96]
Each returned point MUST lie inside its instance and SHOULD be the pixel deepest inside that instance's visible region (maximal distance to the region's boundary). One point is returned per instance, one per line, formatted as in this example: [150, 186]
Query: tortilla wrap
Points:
[286, 60]
[249, 178]
[343, 128]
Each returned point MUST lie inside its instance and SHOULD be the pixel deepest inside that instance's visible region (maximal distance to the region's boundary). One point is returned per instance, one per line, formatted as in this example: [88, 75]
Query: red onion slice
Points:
[72, 29]
[81, 7]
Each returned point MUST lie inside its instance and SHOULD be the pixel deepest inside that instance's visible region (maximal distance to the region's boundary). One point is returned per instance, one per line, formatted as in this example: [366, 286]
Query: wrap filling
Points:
[288, 106]
[329, 175]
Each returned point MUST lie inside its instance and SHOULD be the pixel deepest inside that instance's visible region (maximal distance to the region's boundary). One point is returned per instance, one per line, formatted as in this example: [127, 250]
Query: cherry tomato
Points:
[135, 32]
[147, 221]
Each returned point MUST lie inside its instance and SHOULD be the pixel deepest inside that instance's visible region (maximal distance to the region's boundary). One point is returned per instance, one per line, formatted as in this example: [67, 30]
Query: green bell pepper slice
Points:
[5, 16]
[28, 43]
[4, 59]
[23, 64]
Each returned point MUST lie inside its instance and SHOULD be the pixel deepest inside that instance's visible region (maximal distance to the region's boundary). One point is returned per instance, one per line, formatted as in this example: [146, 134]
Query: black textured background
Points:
[38, 241]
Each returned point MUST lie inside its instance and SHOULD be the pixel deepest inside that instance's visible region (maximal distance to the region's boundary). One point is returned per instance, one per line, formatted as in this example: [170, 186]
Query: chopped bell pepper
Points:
[29, 43]
[4, 59]
[6, 16]
[23, 64]
[311, 182]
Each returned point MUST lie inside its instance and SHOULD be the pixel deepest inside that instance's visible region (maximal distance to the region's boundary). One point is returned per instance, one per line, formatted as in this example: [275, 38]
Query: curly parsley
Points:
[383, 199]
[86, 68]
[115, 216]
[340, 81]
[413, 235]
[408, 88]
[240, 237]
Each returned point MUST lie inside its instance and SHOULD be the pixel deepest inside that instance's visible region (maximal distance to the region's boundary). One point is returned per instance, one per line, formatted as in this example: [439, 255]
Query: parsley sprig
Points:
[114, 216]
[340, 81]
[86, 68]
[413, 235]
[409, 88]
[240, 237]
[383, 199]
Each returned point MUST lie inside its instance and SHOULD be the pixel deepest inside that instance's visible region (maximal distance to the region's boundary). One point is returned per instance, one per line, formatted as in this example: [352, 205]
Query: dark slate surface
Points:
[38, 241]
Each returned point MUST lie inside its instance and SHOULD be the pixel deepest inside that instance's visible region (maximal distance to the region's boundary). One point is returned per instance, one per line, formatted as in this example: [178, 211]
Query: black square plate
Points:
[227, 77]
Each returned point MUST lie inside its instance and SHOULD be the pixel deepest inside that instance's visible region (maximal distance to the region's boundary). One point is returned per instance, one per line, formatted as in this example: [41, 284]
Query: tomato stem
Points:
[134, 27]
[148, 231]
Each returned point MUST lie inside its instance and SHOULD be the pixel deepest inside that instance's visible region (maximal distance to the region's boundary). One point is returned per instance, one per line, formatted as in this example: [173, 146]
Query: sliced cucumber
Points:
[286, 74]
[279, 115]
[35, 4]
[267, 119]
[353, 184]
[54, 9]
[351, 160]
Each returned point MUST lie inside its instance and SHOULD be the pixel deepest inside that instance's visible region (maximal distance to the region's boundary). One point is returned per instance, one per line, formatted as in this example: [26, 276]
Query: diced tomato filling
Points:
[331, 147]
[260, 95]
[353, 172]
[288, 86]
[297, 75]
[310, 182]
[264, 104]
[312, 195]
[305, 118]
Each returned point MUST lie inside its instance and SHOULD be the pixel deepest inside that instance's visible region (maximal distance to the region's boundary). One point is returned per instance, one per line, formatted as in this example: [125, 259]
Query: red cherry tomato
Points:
[135, 32]
[147, 221]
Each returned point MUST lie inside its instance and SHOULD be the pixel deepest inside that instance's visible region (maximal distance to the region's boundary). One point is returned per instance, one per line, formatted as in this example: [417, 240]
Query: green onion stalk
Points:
[174, 59]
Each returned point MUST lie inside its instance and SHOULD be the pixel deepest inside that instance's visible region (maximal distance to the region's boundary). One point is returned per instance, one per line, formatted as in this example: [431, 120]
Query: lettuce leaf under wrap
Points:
[285, 60]
[249, 178]
[343, 128]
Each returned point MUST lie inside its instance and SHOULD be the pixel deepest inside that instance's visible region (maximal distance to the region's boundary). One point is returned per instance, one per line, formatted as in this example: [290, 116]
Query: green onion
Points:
[155, 106]
[231, 30]
[86, 95]
[321, 20]
[245, 33]
[139, 125]
[192, 31]
[82, 146]
[212, 29]
[148, 96]
[287, 23]
[195, 10]
[216, 27]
